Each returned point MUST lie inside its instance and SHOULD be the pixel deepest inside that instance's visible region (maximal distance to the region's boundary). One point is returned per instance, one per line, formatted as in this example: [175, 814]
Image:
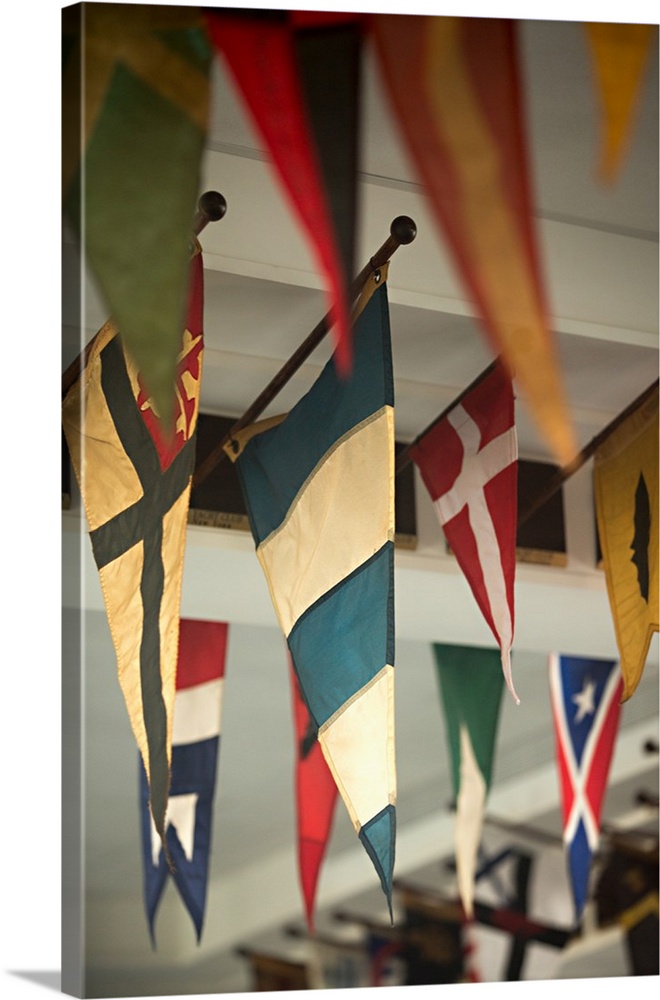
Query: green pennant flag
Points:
[471, 683]
[135, 98]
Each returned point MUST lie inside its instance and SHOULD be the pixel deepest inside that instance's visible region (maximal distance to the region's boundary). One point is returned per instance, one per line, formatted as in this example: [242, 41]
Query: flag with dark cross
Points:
[135, 484]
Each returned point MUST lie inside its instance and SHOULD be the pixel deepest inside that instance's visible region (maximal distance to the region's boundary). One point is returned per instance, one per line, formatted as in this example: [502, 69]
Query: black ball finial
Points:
[403, 229]
[213, 205]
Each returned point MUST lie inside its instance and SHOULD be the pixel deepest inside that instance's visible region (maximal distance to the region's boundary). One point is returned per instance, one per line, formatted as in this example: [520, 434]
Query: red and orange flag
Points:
[454, 84]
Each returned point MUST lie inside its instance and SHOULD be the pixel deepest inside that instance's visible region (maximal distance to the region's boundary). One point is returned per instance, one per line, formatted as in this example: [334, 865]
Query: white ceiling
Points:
[263, 296]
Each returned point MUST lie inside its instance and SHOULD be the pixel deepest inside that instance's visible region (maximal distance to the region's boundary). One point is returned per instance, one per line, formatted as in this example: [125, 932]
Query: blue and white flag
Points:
[319, 490]
[586, 703]
[195, 748]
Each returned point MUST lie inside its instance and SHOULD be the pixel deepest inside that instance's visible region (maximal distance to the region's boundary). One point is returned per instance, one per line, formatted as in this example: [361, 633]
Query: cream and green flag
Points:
[471, 683]
[626, 489]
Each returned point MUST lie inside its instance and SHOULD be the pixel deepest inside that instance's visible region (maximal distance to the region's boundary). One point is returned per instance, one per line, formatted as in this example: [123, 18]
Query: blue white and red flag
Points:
[195, 748]
[586, 703]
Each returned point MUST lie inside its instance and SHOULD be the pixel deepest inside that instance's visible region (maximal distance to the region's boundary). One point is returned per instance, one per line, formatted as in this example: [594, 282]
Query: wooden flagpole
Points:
[210, 208]
[402, 232]
[403, 458]
[566, 471]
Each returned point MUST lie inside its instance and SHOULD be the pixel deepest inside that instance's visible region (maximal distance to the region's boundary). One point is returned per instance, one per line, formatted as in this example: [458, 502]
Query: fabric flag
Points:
[299, 75]
[135, 99]
[626, 488]
[471, 684]
[455, 88]
[316, 795]
[469, 463]
[195, 749]
[319, 491]
[586, 704]
[620, 54]
[135, 485]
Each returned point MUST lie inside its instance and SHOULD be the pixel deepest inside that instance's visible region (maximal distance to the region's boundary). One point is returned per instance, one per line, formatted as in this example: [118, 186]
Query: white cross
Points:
[477, 469]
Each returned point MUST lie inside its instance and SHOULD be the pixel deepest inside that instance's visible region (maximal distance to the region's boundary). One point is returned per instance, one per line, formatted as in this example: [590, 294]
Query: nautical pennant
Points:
[135, 485]
[471, 683]
[319, 491]
[299, 75]
[626, 490]
[620, 54]
[455, 87]
[135, 100]
[586, 702]
[469, 464]
[316, 795]
[195, 750]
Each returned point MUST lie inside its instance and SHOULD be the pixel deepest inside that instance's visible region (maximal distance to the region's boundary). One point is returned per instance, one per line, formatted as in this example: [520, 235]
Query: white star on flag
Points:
[584, 701]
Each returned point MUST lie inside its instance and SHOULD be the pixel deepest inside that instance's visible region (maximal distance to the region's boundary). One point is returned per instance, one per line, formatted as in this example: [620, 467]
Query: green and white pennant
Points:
[471, 683]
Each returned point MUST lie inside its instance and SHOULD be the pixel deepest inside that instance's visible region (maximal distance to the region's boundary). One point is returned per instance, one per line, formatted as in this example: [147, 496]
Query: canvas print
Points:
[334, 281]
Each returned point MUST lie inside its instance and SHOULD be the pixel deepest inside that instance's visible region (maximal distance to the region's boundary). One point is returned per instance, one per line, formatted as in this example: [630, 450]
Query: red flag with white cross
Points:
[469, 463]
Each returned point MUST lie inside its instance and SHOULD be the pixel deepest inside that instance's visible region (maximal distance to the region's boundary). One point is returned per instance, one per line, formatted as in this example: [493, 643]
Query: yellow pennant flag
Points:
[626, 488]
[620, 53]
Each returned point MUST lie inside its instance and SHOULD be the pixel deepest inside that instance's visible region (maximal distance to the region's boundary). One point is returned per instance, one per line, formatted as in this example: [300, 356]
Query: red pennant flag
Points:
[469, 464]
[454, 85]
[316, 794]
[298, 73]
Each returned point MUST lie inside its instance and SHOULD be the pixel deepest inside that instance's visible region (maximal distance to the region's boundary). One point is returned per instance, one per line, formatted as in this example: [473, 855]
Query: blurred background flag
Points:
[620, 54]
[455, 88]
[471, 684]
[586, 702]
[298, 73]
[316, 795]
[195, 750]
[135, 101]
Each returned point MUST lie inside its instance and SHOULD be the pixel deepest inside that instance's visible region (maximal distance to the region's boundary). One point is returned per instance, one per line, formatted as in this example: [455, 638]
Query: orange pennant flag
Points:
[620, 53]
[455, 89]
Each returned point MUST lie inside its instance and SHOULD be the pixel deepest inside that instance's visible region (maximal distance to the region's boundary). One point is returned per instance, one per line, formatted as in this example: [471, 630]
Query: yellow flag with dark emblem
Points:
[626, 487]
[135, 484]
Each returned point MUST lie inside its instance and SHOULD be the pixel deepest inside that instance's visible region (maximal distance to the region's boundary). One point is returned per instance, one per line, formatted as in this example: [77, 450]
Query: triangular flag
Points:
[135, 485]
[319, 491]
[586, 703]
[469, 463]
[298, 73]
[135, 98]
[195, 750]
[626, 489]
[316, 795]
[620, 54]
[471, 686]
[454, 84]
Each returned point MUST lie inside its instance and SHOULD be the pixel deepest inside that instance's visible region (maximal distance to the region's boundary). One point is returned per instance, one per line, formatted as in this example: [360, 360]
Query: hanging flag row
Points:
[585, 702]
[132, 151]
[319, 488]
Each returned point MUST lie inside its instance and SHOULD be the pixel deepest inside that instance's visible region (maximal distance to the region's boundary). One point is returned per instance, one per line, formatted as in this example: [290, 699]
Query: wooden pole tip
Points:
[212, 205]
[403, 229]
